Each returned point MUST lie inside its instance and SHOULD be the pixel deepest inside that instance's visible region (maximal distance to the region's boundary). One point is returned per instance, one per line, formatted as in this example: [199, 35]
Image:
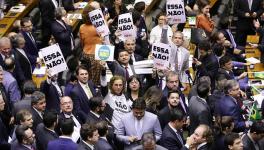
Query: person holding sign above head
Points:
[203, 20]
[161, 29]
[179, 59]
[89, 38]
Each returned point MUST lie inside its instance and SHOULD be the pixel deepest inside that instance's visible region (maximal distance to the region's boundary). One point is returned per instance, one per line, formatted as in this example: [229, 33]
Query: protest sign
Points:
[53, 59]
[161, 55]
[126, 27]
[104, 52]
[97, 19]
[175, 11]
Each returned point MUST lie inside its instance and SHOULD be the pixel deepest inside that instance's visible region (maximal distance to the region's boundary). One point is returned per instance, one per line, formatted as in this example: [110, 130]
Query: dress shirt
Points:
[87, 90]
[129, 69]
[39, 113]
[138, 127]
[77, 124]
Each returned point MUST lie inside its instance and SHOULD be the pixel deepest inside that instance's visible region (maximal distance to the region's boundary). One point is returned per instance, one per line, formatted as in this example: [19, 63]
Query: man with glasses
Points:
[25, 138]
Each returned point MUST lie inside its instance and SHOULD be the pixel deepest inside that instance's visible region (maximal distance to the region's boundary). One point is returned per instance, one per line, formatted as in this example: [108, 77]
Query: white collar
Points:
[202, 99]
[65, 137]
[27, 146]
[98, 116]
[68, 116]
[91, 146]
[40, 113]
[202, 144]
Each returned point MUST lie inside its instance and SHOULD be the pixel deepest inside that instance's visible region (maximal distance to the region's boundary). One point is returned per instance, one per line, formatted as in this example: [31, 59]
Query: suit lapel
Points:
[83, 95]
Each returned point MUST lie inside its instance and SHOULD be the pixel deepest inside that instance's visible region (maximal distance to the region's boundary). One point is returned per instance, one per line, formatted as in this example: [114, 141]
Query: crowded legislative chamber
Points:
[131, 74]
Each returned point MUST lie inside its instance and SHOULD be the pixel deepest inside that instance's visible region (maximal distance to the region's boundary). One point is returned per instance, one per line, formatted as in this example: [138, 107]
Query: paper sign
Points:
[125, 25]
[192, 21]
[97, 19]
[104, 52]
[161, 55]
[53, 59]
[175, 11]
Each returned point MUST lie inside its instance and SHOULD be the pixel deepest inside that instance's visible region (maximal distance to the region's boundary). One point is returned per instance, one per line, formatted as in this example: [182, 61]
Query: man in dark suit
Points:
[130, 46]
[47, 9]
[64, 142]
[83, 90]
[252, 138]
[97, 106]
[52, 91]
[89, 136]
[246, 12]
[203, 137]
[45, 131]
[102, 143]
[172, 134]
[4, 134]
[233, 141]
[207, 64]
[173, 103]
[29, 88]
[199, 110]
[62, 33]
[38, 104]
[228, 106]
[30, 42]
[25, 139]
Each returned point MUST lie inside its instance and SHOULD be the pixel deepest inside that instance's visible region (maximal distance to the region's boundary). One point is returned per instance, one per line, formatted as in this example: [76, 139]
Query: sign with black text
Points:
[161, 55]
[175, 11]
[97, 19]
[126, 27]
[53, 59]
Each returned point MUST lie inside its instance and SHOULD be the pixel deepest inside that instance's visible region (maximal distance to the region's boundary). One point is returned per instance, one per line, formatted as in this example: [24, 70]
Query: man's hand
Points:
[256, 23]
[227, 43]
[254, 14]
[132, 139]
[195, 61]
[247, 14]
[237, 51]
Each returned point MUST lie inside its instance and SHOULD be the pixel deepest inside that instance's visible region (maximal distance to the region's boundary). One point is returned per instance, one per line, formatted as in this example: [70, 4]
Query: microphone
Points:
[187, 72]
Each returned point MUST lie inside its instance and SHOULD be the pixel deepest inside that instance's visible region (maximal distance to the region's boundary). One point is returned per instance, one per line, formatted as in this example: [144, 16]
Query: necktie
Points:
[164, 35]
[31, 37]
[179, 137]
[127, 74]
[231, 74]
[249, 4]
[160, 83]
[231, 38]
[90, 95]
[176, 61]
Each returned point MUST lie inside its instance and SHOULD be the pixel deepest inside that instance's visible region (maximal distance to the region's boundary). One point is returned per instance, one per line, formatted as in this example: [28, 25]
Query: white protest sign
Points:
[104, 52]
[161, 55]
[125, 25]
[97, 19]
[53, 59]
[175, 11]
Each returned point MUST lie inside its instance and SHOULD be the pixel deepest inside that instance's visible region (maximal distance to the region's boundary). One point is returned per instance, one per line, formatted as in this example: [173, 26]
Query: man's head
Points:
[177, 38]
[257, 130]
[97, 104]
[148, 141]
[29, 87]
[9, 64]
[26, 24]
[102, 128]
[38, 101]
[172, 80]
[5, 46]
[66, 104]
[220, 38]
[116, 85]
[161, 18]
[226, 63]
[24, 117]
[82, 74]
[204, 47]
[89, 133]
[2, 103]
[24, 135]
[138, 108]
[173, 98]
[50, 118]
[130, 45]
[203, 90]
[233, 141]
[231, 88]
[202, 133]
[67, 126]
[123, 57]
[177, 118]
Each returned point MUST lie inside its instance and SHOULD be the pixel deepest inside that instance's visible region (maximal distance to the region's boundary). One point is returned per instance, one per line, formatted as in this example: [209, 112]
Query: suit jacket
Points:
[117, 69]
[43, 136]
[68, 5]
[63, 36]
[91, 118]
[170, 140]
[18, 146]
[30, 47]
[164, 116]
[247, 143]
[241, 7]
[199, 112]
[227, 106]
[4, 134]
[25, 64]
[102, 144]
[36, 119]
[80, 116]
[79, 98]
[11, 87]
[140, 147]
[47, 10]
[52, 96]
[126, 127]
[222, 74]
[62, 144]
[25, 103]
[83, 146]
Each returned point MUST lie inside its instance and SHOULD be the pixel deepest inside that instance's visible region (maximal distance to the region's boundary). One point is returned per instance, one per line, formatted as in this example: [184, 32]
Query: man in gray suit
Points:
[179, 58]
[199, 110]
[132, 125]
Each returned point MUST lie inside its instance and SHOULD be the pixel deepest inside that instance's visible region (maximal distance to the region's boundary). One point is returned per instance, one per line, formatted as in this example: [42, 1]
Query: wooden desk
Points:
[6, 24]
[252, 52]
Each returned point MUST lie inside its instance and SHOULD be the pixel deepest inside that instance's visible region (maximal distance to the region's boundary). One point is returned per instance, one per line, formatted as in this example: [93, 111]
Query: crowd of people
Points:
[79, 109]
